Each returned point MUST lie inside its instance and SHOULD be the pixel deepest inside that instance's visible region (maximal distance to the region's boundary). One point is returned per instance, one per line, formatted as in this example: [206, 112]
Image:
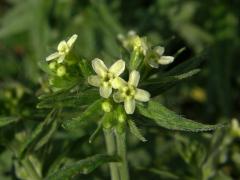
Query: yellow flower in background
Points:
[156, 57]
[105, 77]
[128, 92]
[63, 48]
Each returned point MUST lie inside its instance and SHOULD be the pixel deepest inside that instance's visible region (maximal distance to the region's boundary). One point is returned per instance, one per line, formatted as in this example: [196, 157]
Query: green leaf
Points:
[66, 99]
[170, 120]
[4, 121]
[162, 173]
[135, 131]
[42, 133]
[95, 133]
[84, 166]
[92, 111]
[159, 85]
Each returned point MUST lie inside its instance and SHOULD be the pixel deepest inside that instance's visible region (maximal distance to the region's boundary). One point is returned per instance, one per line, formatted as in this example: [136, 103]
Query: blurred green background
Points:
[31, 29]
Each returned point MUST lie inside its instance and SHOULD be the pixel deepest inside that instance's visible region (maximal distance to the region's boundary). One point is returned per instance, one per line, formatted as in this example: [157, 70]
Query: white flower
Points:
[156, 57]
[128, 92]
[63, 49]
[105, 77]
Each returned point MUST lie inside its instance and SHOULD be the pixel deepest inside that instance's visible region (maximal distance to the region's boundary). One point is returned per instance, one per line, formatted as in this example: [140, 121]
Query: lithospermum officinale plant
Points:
[116, 96]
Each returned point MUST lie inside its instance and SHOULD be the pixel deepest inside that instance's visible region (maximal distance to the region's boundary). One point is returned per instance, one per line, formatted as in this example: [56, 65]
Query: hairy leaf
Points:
[4, 121]
[170, 120]
[135, 131]
[84, 166]
[92, 111]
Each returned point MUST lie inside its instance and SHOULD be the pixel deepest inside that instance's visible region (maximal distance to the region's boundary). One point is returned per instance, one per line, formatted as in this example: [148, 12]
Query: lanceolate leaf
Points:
[40, 135]
[84, 166]
[4, 121]
[170, 120]
[159, 85]
[135, 131]
[92, 111]
[67, 99]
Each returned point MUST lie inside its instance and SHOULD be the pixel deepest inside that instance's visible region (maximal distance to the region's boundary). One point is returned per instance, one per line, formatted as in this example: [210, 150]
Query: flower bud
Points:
[52, 65]
[61, 71]
[122, 117]
[106, 106]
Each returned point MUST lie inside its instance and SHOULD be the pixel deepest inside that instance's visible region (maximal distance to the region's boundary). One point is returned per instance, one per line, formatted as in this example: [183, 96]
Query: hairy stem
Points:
[122, 152]
[111, 149]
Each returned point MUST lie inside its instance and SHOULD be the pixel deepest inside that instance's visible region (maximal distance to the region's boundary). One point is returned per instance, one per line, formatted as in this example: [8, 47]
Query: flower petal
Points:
[61, 59]
[142, 95]
[52, 56]
[105, 91]
[159, 50]
[164, 60]
[153, 63]
[71, 40]
[94, 80]
[62, 46]
[129, 106]
[117, 97]
[118, 83]
[99, 67]
[118, 67]
[134, 78]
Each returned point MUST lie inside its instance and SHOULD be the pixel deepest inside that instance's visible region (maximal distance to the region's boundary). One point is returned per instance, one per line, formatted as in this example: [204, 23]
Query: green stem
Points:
[121, 147]
[111, 149]
[30, 169]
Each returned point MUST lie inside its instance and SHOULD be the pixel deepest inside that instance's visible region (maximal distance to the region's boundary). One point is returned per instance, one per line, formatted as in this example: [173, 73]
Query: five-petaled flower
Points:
[63, 48]
[105, 78]
[155, 57]
[128, 92]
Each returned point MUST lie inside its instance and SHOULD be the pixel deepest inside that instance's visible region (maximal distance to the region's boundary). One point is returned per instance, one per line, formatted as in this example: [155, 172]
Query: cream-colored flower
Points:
[156, 58]
[128, 92]
[105, 77]
[63, 49]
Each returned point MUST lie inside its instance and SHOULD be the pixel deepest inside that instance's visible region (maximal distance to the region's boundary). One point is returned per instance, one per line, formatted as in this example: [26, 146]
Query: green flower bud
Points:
[52, 65]
[61, 71]
[107, 106]
[122, 117]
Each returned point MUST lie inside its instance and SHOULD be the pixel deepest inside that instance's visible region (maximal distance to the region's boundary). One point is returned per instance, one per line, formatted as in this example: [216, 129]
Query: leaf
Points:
[170, 120]
[65, 99]
[4, 121]
[135, 131]
[159, 85]
[162, 173]
[40, 135]
[92, 110]
[95, 133]
[84, 166]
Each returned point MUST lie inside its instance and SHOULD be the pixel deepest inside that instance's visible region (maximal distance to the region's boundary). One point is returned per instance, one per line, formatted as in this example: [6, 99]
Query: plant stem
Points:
[30, 169]
[111, 149]
[122, 152]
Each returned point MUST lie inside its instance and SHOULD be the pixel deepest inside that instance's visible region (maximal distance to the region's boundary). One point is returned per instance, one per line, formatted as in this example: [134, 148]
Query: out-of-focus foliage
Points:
[31, 139]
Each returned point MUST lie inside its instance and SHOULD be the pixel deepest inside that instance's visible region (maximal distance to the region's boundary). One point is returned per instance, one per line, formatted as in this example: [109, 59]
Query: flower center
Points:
[128, 92]
[107, 79]
[63, 48]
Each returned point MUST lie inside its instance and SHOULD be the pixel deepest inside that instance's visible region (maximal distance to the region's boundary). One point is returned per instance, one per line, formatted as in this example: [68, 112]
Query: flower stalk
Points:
[111, 150]
[122, 152]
